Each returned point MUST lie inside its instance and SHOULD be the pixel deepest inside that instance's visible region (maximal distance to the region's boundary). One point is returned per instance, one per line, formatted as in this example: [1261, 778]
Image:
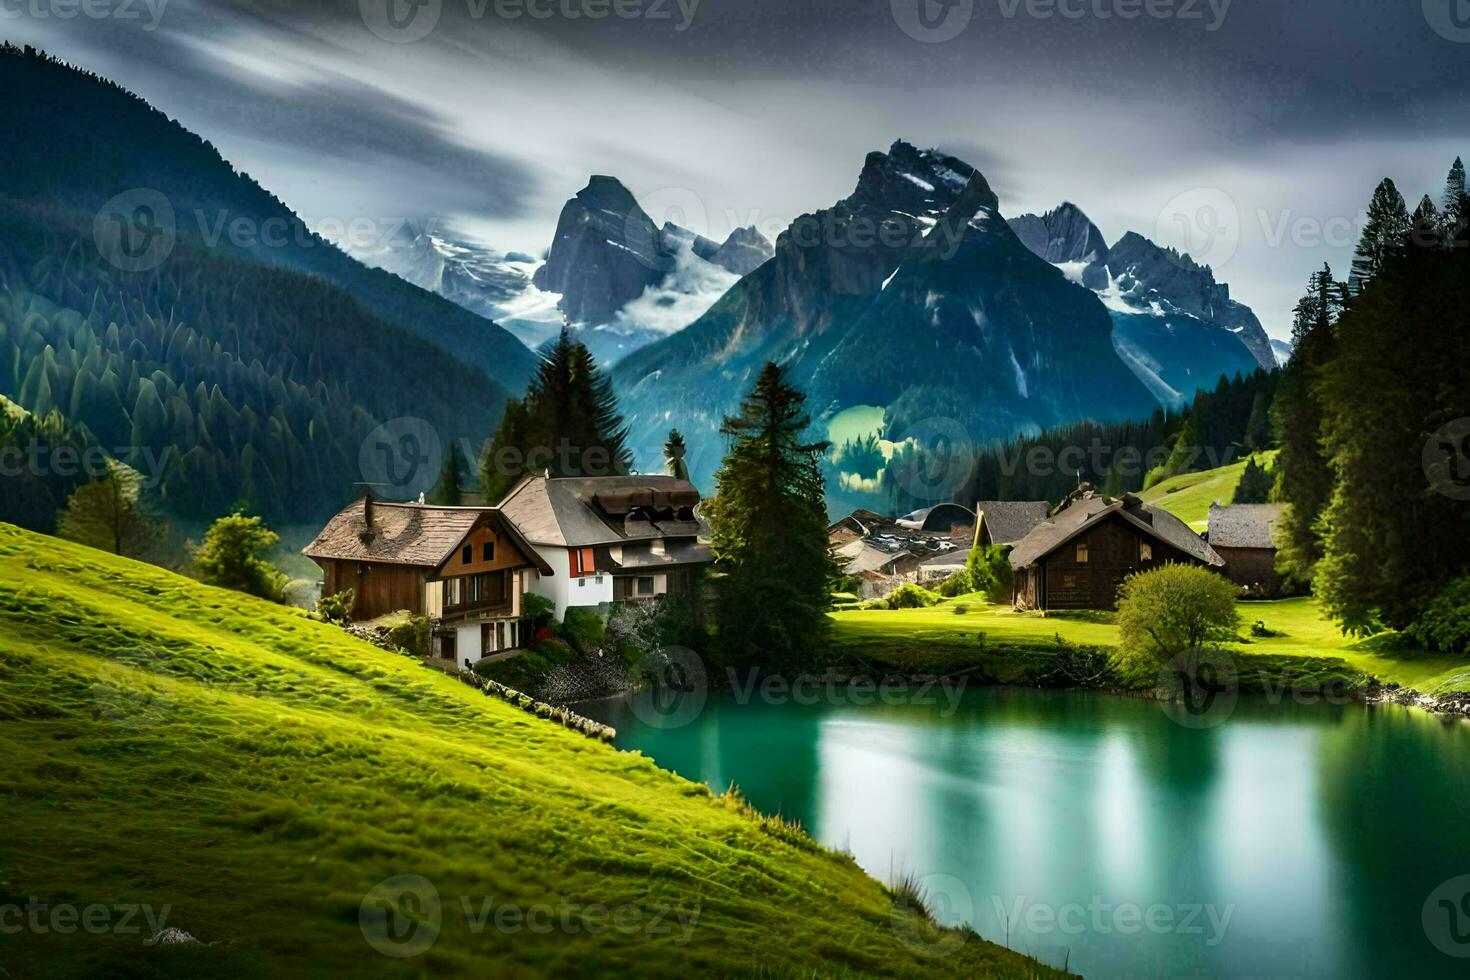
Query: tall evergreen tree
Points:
[110, 514]
[1254, 486]
[1391, 538]
[1258, 424]
[674, 462]
[768, 525]
[1454, 205]
[1303, 474]
[566, 425]
[1426, 224]
[449, 490]
[1385, 232]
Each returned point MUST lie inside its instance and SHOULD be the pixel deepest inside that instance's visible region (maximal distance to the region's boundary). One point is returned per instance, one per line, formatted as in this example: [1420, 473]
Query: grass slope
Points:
[1189, 495]
[939, 637]
[259, 773]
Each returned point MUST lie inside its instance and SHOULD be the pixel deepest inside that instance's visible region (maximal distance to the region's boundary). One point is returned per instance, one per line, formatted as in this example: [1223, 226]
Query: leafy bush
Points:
[583, 629]
[337, 607]
[908, 596]
[412, 635]
[1444, 622]
[537, 608]
[233, 557]
[956, 584]
[989, 571]
[1261, 630]
[960, 609]
[1175, 609]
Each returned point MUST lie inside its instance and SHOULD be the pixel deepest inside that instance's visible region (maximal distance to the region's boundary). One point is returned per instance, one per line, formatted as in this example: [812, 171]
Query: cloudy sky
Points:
[1250, 132]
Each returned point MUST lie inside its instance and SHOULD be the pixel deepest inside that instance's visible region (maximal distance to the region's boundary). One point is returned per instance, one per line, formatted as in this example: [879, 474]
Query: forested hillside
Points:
[248, 356]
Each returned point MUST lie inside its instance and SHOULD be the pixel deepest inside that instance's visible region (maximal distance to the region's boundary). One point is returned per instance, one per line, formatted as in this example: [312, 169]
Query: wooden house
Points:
[464, 567]
[1078, 557]
[1242, 535]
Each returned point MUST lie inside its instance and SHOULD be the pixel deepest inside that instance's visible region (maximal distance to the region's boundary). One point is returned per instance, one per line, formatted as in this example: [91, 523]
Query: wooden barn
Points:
[1078, 557]
[1242, 535]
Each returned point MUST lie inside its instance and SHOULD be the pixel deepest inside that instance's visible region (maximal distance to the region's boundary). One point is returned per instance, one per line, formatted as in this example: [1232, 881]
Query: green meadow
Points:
[303, 803]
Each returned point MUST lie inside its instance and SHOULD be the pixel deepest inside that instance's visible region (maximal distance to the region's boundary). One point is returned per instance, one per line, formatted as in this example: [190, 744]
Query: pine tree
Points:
[449, 490]
[1303, 474]
[1384, 233]
[1254, 486]
[566, 425]
[768, 525]
[674, 463]
[1454, 205]
[1392, 539]
[1426, 223]
[1258, 424]
[110, 514]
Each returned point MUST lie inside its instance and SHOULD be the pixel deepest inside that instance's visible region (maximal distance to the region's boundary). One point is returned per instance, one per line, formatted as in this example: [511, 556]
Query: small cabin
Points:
[1079, 556]
[1242, 534]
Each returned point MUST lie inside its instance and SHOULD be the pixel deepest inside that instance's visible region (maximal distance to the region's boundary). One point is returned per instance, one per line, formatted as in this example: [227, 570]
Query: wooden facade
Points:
[1086, 572]
[380, 587]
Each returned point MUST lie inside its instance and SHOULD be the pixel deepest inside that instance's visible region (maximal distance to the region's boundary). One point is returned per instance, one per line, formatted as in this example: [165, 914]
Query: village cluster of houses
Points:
[576, 541]
[1073, 555]
[593, 541]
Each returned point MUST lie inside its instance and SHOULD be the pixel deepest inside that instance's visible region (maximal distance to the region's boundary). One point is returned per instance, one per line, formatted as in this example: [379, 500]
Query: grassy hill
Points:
[1189, 495]
[256, 775]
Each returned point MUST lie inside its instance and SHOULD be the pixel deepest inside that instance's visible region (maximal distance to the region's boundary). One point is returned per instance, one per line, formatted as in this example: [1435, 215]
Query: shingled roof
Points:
[1154, 522]
[403, 534]
[1243, 525]
[1008, 521]
[580, 512]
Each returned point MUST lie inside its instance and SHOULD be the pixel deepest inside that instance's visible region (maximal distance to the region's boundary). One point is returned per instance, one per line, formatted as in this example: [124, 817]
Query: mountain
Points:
[1162, 304]
[1283, 350]
[1144, 271]
[496, 285]
[624, 281]
[911, 296]
[183, 318]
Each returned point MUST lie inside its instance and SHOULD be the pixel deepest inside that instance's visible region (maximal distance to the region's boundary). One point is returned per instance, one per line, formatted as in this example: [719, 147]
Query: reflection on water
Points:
[1291, 841]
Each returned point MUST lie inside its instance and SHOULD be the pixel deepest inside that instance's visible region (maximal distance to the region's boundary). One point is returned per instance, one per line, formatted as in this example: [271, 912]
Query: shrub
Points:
[909, 596]
[232, 556]
[583, 629]
[1444, 622]
[537, 608]
[960, 608]
[956, 584]
[412, 635]
[337, 607]
[1260, 629]
[989, 570]
[1175, 609]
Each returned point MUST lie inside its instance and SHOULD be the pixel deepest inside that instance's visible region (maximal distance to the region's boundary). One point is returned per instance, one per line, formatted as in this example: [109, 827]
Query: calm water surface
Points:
[1289, 841]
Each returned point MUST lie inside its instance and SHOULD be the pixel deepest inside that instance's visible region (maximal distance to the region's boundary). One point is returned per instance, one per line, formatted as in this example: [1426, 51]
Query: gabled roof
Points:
[1243, 525]
[1008, 521]
[940, 517]
[580, 512]
[1091, 510]
[422, 535]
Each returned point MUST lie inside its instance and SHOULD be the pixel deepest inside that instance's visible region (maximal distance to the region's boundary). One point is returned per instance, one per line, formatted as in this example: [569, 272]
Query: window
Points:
[645, 585]
[467, 554]
[451, 592]
[1145, 551]
[1082, 552]
[582, 561]
[487, 551]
